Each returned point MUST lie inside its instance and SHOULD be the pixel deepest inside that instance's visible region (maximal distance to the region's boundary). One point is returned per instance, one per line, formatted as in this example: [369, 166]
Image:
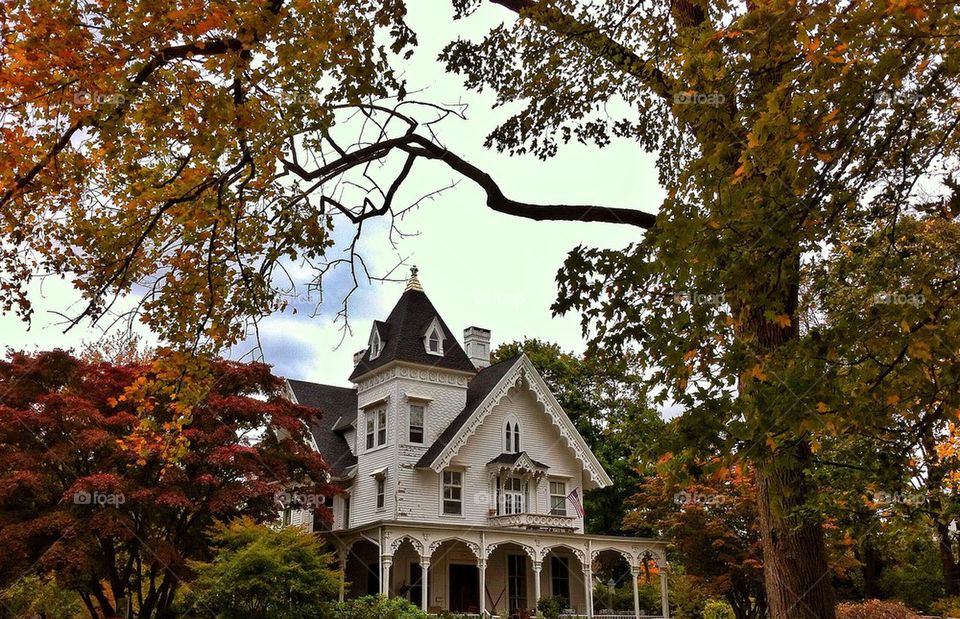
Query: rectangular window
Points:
[416, 423]
[371, 430]
[381, 492]
[558, 498]
[517, 582]
[560, 577]
[453, 493]
[381, 427]
[376, 428]
[346, 512]
[512, 496]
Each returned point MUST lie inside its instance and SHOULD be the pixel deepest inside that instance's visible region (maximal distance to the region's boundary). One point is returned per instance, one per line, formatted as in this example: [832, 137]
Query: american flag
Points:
[574, 497]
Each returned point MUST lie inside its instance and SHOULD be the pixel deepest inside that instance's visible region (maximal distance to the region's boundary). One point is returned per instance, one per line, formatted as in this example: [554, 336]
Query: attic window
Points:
[433, 340]
[376, 344]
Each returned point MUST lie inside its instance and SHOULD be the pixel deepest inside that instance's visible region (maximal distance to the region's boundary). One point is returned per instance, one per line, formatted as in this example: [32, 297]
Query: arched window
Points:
[433, 338]
[511, 437]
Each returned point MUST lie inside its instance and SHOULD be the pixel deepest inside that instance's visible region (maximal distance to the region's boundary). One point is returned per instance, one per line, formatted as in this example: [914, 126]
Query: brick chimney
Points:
[476, 343]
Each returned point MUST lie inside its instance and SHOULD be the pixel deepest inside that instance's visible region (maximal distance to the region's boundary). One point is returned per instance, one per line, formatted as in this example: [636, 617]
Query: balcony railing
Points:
[534, 521]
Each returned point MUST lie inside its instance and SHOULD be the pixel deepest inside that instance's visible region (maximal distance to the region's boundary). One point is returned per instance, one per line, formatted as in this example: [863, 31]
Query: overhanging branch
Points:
[416, 145]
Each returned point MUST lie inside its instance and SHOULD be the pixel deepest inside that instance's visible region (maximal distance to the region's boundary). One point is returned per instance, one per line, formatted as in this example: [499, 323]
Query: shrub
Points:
[875, 609]
[41, 596]
[377, 607]
[947, 607]
[258, 571]
[718, 609]
[551, 607]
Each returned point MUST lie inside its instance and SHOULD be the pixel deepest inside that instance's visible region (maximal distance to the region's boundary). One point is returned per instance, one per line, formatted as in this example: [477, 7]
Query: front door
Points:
[416, 584]
[517, 582]
[464, 588]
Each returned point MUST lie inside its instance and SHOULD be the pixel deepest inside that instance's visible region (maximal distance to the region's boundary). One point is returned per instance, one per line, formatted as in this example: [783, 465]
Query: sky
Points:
[479, 267]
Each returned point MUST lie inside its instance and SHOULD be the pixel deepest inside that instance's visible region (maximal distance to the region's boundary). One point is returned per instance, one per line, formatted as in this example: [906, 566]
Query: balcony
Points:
[534, 521]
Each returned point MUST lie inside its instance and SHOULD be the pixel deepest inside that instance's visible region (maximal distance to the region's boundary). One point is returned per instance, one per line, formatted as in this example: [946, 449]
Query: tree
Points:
[716, 532]
[40, 596]
[898, 386]
[607, 402]
[89, 489]
[192, 148]
[263, 573]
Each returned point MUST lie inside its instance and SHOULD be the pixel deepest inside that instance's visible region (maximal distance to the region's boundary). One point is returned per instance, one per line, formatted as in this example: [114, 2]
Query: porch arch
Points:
[434, 545]
[416, 543]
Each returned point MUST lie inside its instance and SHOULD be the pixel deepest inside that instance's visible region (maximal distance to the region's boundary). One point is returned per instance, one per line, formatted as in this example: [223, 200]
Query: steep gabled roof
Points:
[335, 404]
[478, 389]
[455, 436]
[402, 334]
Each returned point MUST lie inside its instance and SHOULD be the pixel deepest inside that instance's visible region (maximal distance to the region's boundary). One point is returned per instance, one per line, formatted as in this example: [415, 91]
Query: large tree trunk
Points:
[794, 560]
[872, 569]
[948, 562]
[795, 570]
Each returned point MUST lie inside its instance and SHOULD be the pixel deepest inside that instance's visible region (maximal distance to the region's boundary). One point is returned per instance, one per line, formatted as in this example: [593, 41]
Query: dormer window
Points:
[433, 339]
[375, 344]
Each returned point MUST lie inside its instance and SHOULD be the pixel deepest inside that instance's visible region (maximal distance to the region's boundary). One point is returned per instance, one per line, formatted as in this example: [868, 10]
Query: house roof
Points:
[477, 390]
[402, 336]
[440, 453]
[335, 404]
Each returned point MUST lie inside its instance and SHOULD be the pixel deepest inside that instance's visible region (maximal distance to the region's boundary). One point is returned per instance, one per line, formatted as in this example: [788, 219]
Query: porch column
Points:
[588, 585]
[424, 582]
[664, 599]
[342, 555]
[482, 569]
[635, 572]
[385, 562]
[537, 568]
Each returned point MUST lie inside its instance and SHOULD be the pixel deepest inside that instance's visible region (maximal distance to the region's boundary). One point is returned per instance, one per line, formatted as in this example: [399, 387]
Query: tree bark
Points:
[794, 558]
[948, 563]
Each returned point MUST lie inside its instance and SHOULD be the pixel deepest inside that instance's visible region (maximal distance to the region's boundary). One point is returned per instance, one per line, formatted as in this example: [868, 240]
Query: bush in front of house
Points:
[259, 572]
[377, 607]
[875, 609]
[551, 606]
[718, 609]
[946, 607]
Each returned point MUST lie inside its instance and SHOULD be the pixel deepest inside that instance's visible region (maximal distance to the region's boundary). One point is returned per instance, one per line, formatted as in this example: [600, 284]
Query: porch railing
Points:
[534, 521]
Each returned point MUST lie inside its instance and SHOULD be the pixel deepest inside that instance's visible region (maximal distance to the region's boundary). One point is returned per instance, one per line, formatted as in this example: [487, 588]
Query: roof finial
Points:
[413, 283]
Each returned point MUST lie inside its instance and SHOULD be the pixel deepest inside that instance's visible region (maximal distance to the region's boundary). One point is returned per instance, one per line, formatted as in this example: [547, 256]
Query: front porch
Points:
[501, 572]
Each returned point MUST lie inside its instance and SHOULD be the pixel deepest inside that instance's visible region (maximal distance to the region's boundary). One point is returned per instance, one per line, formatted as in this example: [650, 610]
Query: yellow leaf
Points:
[782, 320]
[738, 175]
[893, 399]
[822, 407]
[756, 372]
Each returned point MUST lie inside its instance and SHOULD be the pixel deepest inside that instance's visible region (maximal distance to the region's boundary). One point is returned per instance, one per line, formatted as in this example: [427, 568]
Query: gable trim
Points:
[524, 369]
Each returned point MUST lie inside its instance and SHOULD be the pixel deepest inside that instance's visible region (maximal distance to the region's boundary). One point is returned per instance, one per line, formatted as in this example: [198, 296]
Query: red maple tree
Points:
[93, 488]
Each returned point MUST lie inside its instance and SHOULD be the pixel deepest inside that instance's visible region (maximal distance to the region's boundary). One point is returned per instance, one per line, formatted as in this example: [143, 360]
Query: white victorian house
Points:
[462, 479]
